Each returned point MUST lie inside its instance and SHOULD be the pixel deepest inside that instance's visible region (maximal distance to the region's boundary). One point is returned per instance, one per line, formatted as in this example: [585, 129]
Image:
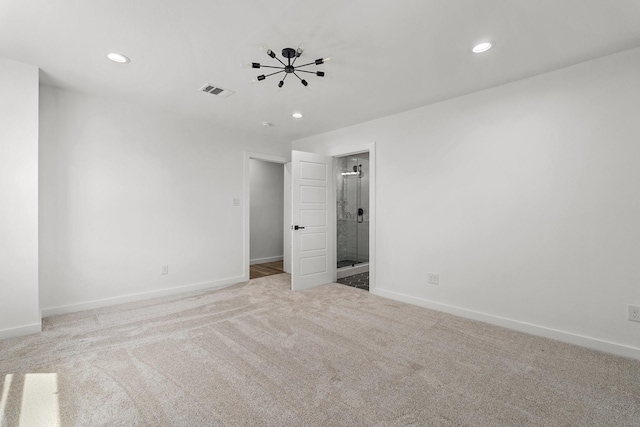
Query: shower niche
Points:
[352, 200]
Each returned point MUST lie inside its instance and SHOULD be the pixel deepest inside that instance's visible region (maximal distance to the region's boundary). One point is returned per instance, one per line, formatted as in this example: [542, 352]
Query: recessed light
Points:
[297, 115]
[117, 57]
[483, 47]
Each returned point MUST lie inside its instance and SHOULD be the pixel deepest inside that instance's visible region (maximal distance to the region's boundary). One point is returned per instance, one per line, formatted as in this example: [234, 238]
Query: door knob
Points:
[297, 227]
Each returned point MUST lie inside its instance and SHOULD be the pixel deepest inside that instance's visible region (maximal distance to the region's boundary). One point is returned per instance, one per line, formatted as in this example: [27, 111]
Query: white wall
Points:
[267, 211]
[19, 309]
[525, 198]
[125, 190]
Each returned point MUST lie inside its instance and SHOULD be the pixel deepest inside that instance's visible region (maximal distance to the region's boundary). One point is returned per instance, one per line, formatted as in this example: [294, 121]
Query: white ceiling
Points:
[388, 56]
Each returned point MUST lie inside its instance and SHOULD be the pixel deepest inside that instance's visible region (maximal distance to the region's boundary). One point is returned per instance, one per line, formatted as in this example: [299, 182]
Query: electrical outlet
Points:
[634, 313]
[433, 278]
[165, 270]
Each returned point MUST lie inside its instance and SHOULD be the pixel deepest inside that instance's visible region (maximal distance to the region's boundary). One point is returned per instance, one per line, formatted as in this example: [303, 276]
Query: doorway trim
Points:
[346, 150]
[246, 200]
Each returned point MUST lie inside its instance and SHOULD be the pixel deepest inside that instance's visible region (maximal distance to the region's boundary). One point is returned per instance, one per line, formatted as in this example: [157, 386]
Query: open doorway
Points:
[351, 176]
[264, 213]
[366, 249]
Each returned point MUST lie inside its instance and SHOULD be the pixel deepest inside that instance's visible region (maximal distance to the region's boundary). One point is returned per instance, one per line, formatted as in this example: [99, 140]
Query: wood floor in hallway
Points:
[266, 269]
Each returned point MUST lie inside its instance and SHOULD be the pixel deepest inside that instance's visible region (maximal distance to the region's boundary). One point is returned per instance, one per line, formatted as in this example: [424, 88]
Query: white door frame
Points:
[346, 150]
[246, 192]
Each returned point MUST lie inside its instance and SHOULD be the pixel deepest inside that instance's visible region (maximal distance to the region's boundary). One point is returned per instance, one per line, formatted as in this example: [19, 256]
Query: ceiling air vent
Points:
[215, 90]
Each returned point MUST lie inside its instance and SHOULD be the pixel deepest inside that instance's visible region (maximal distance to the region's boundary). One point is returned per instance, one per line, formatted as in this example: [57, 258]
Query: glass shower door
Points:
[352, 196]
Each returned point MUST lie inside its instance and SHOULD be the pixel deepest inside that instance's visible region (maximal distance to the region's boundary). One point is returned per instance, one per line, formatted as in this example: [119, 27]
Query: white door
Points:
[313, 249]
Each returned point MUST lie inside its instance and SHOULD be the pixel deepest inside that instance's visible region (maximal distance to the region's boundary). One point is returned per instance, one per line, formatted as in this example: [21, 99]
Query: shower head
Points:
[357, 171]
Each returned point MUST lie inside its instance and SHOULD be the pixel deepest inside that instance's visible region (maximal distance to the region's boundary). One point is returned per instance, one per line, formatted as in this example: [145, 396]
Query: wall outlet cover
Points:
[433, 278]
[634, 313]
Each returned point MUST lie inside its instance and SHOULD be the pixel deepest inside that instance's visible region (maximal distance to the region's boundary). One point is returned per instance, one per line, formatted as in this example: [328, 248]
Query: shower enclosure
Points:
[352, 197]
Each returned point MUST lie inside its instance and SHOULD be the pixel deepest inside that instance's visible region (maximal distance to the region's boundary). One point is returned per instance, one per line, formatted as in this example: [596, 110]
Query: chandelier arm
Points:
[305, 71]
[278, 59]
[269, 66]
[277, 72]
[304, 65]
[297, 75]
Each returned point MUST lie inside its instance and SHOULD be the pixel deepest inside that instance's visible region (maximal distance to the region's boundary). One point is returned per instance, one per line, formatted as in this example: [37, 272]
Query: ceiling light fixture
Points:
[288, 68]
[117, 57]
[297, 115]
[483, 47]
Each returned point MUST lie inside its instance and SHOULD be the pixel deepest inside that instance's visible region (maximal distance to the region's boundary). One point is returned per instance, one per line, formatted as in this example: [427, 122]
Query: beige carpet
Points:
[259, 354]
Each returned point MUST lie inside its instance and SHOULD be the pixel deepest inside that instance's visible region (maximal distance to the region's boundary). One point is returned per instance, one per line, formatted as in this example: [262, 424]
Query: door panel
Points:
[313, 265]
[313, 195]
[314, 218]
[313, 171]
[313, 244]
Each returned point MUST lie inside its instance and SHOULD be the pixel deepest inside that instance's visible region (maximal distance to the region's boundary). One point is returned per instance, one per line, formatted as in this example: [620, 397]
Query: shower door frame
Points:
[348, 150]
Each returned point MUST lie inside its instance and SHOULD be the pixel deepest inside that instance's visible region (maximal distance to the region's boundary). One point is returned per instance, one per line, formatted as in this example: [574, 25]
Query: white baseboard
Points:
[567, 337]
[263, 260]
[33, 328]
[72, 308]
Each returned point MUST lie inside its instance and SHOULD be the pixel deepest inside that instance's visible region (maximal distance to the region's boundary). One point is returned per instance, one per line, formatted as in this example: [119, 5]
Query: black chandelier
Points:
[289, 67]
